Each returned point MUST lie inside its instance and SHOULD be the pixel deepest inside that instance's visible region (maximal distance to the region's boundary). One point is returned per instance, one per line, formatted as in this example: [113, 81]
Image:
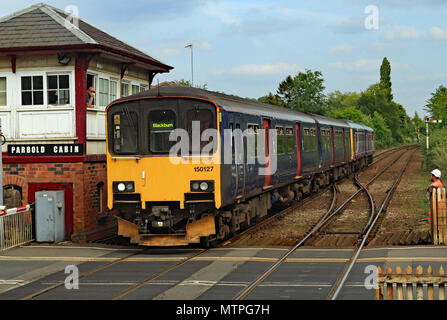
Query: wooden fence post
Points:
[430, 286]
[442, 218]
[441, 285]
[389, 285]
[399, 286]
[419, 287]
[434, 217]
[409, 271]
[379, 285]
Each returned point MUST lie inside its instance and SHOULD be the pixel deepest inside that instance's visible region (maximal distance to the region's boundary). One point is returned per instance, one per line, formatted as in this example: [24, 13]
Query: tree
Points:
[283, 92]
[306, 92]
[437, 104]
[271, 99]
[353, 114]
[341, 100]
[385, 78]
[382, 133]
[187, 83]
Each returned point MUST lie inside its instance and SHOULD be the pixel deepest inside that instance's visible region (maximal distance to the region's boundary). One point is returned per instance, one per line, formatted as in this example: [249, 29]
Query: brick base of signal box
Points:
[85, 189]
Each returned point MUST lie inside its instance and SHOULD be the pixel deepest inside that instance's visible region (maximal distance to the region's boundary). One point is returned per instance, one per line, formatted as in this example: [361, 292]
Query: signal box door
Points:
[68, 194]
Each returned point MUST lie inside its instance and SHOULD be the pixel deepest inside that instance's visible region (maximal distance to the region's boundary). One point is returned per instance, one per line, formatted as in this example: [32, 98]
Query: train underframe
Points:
[165, 224]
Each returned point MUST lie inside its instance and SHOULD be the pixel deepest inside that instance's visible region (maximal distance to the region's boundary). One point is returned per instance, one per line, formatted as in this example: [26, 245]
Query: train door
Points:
[237, 156]
[240, 164]
[333, 145]
[266, 124]
[298, 148]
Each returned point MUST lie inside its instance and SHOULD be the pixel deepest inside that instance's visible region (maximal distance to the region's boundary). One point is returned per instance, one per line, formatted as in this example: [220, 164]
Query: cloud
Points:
[398, 3]
[264, 26]
[341, 49]
[438, 33]
[349, 25]
[261, 69]
[174, 49]
[364, 65]
[403, 33]
[428, 77]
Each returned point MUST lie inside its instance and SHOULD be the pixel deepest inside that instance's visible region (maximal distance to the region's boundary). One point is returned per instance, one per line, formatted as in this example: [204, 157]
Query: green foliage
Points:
[187, 83]
[351, 113]
[283, 93]
[341, 100]
[385, 78]
[437, 104]
[436, 157]
[373, 107]
[306, 92]
[271, 99]
[382, 133]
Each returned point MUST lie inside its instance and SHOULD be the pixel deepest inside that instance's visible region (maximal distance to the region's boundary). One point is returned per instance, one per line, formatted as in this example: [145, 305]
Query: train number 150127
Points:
[204, 169]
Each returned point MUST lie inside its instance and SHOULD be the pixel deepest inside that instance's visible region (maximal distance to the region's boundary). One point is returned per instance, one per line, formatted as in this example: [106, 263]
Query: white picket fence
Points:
[15, 227]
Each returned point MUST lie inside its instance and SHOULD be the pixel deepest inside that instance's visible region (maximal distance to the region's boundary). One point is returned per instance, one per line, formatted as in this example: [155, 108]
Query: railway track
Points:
[330, 213]
[327, 218]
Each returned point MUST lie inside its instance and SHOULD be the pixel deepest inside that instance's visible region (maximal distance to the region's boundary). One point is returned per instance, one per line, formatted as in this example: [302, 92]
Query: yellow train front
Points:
[165, 196]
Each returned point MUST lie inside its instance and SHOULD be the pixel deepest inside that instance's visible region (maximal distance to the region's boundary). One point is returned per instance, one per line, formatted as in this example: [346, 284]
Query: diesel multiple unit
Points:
[166, 199]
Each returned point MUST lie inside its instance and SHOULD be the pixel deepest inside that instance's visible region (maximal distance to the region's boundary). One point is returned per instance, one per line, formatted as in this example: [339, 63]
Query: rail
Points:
[392, 286]
[344, 276]
[324, 220]
[15, 227]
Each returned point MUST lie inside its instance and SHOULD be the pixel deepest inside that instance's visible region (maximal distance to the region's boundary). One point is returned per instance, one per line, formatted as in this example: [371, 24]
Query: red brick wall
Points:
[85, 178]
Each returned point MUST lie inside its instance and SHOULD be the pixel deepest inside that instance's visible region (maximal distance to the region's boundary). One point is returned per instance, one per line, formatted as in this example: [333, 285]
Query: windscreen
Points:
[143, 127]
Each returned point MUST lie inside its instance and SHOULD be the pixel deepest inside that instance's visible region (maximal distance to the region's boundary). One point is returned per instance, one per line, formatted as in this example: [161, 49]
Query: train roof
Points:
[227, 102]
[330, 121]
[238, 104]
[356, 125]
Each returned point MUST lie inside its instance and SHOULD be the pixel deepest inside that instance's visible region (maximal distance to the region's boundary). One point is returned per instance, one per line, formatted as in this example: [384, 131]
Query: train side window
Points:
[280, 140]
[290, 140]
[309, 142]
[232, 139]
[252, 146]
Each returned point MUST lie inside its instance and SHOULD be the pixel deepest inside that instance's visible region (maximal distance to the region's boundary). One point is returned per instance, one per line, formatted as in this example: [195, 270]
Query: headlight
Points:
[203, 186]
[123, 186]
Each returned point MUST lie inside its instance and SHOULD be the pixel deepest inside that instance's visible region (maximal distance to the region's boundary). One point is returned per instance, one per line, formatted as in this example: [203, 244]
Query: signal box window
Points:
[125, 132]
[161, 123]
[32, 90]
[58, 89]
[3, 91]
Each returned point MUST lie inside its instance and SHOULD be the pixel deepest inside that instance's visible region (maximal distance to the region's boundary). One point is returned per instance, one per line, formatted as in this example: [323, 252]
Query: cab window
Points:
[161, 123]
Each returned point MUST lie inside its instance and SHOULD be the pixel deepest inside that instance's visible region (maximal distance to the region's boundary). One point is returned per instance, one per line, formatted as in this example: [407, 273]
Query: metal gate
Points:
[15, 227]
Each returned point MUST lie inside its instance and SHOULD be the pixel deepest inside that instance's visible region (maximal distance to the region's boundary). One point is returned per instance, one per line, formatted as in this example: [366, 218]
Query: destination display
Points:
[45, 150]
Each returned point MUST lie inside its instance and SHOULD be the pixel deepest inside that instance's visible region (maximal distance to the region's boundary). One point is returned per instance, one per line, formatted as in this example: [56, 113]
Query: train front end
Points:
[162, 169]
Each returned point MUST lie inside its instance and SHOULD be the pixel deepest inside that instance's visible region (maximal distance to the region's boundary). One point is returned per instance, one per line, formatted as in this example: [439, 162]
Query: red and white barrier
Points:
[11, 211]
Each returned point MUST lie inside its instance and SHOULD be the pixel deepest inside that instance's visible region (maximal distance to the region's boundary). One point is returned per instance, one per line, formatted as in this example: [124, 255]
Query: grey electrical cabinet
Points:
[50, 216]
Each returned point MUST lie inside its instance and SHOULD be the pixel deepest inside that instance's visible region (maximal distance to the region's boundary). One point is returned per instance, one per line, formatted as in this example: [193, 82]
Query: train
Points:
[168, 197]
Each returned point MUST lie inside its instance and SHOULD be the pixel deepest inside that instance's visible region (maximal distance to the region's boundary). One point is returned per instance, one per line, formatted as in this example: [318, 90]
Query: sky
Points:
[248, 47]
